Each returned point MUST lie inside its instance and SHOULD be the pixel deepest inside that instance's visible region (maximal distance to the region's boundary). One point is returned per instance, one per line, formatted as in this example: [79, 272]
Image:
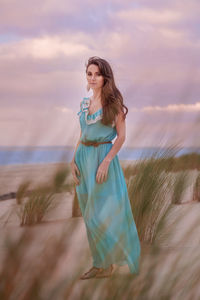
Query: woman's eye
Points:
[89, 74]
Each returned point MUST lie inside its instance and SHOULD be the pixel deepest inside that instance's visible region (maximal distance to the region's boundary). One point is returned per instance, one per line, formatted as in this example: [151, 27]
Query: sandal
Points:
[91, 273]
[105, 272]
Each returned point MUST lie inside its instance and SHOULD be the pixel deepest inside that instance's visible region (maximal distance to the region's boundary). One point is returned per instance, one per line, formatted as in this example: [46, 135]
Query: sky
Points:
[152, 46]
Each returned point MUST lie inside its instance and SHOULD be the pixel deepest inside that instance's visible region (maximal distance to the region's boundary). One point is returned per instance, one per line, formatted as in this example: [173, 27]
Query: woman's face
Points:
[94, 77]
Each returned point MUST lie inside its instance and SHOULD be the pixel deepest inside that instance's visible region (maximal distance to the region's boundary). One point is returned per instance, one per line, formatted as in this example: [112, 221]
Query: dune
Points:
[78, 248]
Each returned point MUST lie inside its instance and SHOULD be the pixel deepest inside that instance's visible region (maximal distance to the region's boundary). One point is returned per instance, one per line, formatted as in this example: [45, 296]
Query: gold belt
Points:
[95, 144]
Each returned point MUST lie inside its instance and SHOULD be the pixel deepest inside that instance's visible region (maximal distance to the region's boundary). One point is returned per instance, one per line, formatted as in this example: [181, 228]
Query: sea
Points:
[17, 155]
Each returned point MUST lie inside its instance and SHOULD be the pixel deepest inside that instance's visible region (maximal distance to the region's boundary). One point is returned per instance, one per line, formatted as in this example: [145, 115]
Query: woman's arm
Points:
[121, 136]
[74, 168]
[102, 171]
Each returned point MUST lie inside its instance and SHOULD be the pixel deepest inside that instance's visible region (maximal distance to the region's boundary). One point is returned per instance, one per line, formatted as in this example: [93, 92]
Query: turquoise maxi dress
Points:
[105, 207]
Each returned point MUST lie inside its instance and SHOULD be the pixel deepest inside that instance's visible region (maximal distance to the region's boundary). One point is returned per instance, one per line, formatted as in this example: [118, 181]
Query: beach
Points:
[61, 217]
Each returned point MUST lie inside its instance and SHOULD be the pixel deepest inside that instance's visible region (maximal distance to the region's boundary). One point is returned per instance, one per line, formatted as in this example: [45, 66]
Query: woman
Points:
[100, 183]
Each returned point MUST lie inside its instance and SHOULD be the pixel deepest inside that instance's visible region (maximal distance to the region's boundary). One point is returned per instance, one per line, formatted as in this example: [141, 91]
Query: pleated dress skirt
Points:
[105, 207]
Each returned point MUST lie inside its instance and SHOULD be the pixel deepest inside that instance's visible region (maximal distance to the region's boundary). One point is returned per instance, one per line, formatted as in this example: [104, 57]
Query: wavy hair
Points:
[111, 98]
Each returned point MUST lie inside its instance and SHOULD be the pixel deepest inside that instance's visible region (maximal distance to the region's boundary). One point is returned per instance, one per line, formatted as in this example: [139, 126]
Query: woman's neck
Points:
[96, 97]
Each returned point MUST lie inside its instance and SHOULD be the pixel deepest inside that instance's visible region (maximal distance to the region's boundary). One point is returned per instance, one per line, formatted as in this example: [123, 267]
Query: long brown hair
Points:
[112, 100]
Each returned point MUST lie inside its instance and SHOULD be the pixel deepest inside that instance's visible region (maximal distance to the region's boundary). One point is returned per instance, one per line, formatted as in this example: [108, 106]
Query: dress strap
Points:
[84, 107]
[84, 104]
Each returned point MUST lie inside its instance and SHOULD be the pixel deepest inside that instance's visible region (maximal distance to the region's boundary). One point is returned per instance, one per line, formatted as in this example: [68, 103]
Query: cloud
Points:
[150, 16]
[64, 109]
[50, 47]
[44, 47]
[169, 108]
[152, 45]
[28, 15]
[33, 126]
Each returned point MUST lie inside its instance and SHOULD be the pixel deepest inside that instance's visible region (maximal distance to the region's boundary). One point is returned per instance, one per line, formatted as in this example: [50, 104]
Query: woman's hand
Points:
[75, 171]
[102, 171]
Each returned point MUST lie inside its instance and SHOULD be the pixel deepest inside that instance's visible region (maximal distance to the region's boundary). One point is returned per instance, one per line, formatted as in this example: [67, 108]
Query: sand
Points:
[61, 216]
